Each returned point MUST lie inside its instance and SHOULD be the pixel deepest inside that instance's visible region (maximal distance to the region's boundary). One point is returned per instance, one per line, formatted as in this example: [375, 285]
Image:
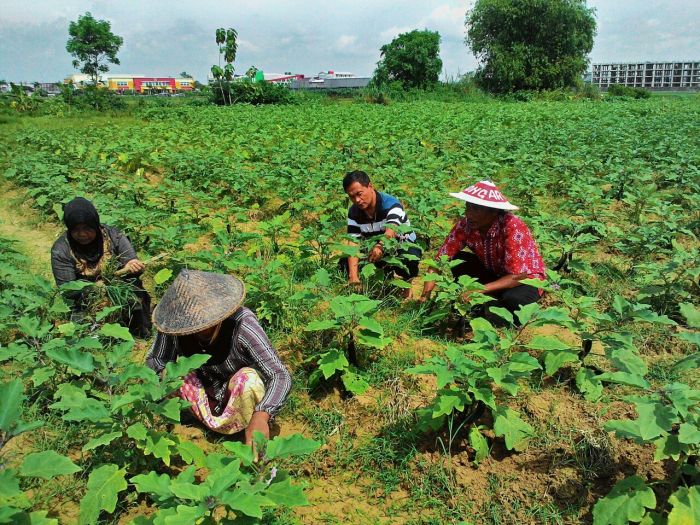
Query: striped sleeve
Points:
[162, 352]
[275, 375]
[354, 229]
[396, 215]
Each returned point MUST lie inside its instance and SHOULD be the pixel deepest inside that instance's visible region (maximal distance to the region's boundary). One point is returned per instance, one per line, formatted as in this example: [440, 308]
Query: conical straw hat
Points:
[485, 193]
[197, 301]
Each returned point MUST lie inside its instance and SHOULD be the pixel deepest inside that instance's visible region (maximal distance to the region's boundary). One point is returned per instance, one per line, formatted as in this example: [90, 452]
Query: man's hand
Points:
[134, 266]
[423, 298]
[260, 422]
[376, 253]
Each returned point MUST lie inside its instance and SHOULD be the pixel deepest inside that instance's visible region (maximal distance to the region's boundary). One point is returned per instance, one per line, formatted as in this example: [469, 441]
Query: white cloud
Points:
[345, 42]
[394, 31]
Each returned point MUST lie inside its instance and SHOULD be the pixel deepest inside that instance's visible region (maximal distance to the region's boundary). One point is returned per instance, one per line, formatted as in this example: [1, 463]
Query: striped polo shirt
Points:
[387, 211]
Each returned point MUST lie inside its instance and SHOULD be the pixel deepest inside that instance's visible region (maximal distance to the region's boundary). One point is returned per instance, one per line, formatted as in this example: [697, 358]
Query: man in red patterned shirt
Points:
[503, 251]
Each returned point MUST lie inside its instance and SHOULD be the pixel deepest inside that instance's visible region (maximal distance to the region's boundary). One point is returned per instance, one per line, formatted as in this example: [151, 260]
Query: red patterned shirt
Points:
[507, 248]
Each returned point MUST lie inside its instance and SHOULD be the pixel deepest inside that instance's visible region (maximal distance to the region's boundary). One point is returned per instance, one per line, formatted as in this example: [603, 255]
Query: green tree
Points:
[411, 58]
[530, 44]
[227, 40]
[185, 74]
[93, 45]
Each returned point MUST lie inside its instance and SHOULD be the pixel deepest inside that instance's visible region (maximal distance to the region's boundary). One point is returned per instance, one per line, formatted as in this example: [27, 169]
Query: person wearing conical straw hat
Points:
[244, 383]
[503, 251]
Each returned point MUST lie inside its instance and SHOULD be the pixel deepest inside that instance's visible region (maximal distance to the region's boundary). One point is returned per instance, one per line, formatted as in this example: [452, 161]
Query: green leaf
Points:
[106, 312]
[103, 486]
[668, 447]
[555, 359]
[627, 501]
[284, 494]
[67, 329]
[240, 451]
[75, 286]
[547, 342]
[369, 338]
[162, 276]
[589, 384]
[73, 358]
[42, 375]
[11, 394]
[521, 362]
[507, 423]
[184, 365]
[623, 378]
[526, 312]
[116, 331]
[370, 325]
[9, 485]
[478, 442]
[39, 517]
[315, 326]
[192, 454]
[449, 401]
[248, 503]
[354, 383]
[691, 361]
[685, 503]
[47, 465]
[295, 445]
[503, 313]
[689, 434]
[158, 486]
[655, 419]
[691, 314]
[332, 362]
[100, 441]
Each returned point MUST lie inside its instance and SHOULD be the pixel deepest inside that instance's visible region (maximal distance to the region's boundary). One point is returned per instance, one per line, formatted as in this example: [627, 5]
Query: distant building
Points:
[136, 83]
[671, 76]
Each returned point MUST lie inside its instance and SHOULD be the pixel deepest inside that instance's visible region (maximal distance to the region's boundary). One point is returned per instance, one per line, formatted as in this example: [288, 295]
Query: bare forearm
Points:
[504, 283]
[353, 264]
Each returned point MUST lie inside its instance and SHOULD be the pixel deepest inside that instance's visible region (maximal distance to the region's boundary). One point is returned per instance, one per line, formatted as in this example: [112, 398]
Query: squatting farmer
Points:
[372, 215]
[244, 383]
[85, 250]
[503, 251]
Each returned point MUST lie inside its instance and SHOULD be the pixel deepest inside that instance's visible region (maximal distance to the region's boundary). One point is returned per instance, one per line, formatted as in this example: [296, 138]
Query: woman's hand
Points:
[260, 422]
[134, 266]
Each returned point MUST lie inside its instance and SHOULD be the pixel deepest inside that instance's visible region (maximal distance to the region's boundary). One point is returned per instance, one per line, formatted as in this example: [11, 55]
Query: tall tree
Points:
[227, 40]
[530, 44]
[412, 58]
[93, 45]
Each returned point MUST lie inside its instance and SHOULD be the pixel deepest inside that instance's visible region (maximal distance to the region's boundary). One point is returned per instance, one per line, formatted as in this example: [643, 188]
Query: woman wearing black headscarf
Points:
[85, 248]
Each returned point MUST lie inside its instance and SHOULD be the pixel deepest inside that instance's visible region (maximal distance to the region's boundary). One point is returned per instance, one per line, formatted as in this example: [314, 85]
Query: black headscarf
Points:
[82, 211]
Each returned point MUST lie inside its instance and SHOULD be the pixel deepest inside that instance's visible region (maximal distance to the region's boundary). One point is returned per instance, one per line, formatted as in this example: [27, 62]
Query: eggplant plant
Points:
[353, 324]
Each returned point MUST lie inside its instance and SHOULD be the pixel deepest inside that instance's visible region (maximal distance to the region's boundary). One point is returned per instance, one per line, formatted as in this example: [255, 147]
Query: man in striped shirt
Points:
[377, 214]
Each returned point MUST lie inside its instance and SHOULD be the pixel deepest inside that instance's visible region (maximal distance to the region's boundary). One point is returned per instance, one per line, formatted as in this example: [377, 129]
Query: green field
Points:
[611, 191]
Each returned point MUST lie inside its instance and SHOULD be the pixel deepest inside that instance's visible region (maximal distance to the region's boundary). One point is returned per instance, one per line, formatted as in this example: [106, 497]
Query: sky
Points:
[164, 38]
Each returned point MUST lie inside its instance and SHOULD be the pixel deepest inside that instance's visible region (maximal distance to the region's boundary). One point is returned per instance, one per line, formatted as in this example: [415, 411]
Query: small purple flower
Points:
[273, 474]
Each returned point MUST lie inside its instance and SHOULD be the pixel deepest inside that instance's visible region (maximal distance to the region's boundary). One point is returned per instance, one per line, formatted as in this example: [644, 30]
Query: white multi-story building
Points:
[649, 75]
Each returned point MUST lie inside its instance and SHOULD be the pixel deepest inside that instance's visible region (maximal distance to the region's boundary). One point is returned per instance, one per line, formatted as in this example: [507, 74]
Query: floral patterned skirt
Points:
[245, 391]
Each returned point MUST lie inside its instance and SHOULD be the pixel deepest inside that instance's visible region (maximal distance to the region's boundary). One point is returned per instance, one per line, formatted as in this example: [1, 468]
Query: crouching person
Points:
[502, 253]
[376, 215]
[86, 249]
[244, 383]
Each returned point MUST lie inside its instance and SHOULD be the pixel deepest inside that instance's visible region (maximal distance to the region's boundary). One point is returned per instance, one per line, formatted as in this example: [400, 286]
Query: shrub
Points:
[619, 90]
[249, 92]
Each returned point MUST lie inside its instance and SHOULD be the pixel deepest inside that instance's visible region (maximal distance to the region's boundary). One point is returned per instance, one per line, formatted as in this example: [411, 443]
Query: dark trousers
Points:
[512, 298]
[407, 273]
[139, 318]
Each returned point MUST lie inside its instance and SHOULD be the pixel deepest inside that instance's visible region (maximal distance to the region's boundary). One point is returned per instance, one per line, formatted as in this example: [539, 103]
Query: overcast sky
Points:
[167, 37]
